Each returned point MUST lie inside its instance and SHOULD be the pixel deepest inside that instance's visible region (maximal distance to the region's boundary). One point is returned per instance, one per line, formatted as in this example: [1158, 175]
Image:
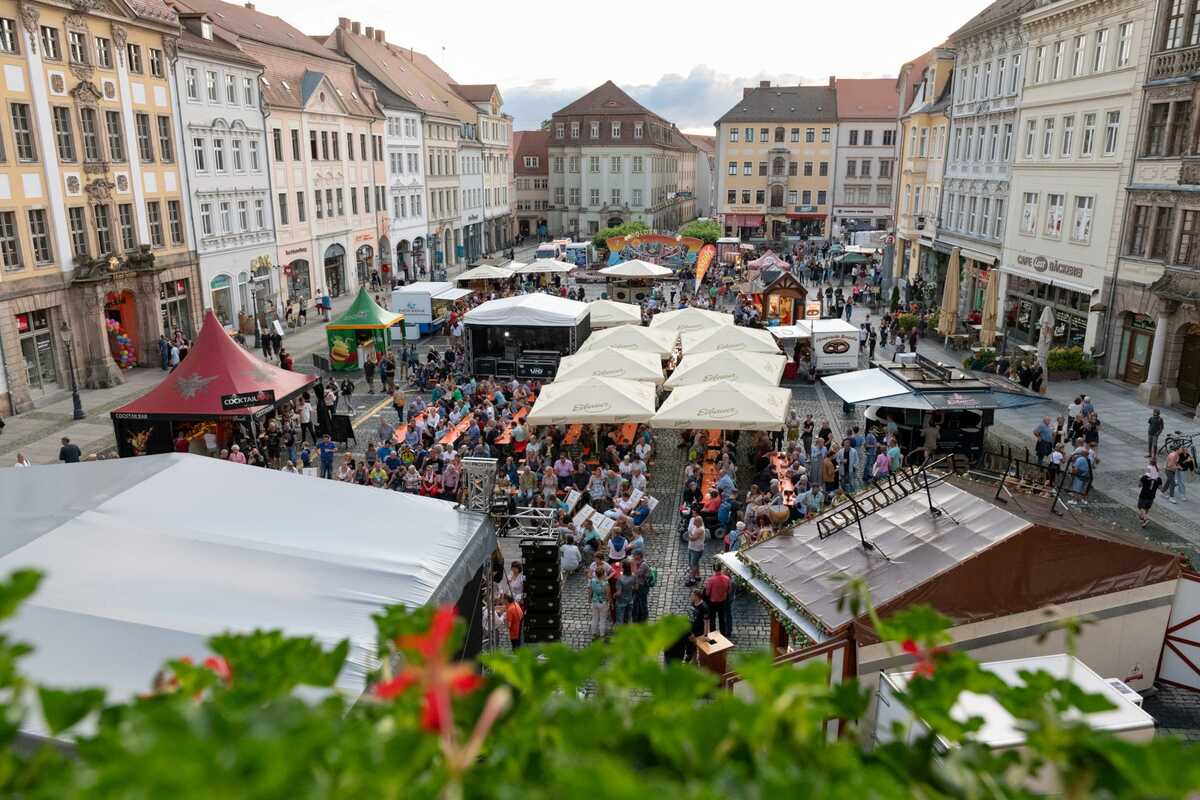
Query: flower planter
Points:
[1065, 375]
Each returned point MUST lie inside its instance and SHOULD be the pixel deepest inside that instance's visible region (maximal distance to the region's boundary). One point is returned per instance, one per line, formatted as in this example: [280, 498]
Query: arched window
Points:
[779, 134]
[222, 299]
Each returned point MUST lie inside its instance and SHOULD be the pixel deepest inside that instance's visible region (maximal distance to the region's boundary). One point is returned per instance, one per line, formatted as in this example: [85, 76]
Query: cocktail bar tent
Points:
[993, 568]
[148, 558]
[524, 335]
[365, 328]
[189, 399]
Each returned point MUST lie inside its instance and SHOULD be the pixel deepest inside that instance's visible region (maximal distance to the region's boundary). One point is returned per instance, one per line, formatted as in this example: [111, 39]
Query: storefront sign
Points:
[244, 399]
[1043, 265]
[366, 236]
[127, 415]
[290, 253]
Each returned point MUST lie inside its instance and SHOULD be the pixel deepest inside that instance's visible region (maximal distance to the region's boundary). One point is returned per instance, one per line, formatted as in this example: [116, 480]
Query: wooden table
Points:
[625, 434]
[957, 341]
[451, 436]
[506, 436]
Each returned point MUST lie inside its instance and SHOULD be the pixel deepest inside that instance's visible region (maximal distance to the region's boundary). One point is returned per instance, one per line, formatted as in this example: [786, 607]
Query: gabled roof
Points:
[219, 48]
[476, 92]
[867, 98]
[998, 12]
[386, 97]
[706, 143]
[153, 10]
[253, 25]
[607, 98]
[785, 104]
[531, 143]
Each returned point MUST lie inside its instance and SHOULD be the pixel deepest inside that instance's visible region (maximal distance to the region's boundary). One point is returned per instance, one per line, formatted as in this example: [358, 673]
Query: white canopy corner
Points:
[738, 338]
[609, 313]
[725, 405]
[636, 268]
[762, 369]
[689, 320]
[537, 310]
[485, 272]
[610, 362]
[542, 266]
[864, 386]
[631, 337]
[593, 400]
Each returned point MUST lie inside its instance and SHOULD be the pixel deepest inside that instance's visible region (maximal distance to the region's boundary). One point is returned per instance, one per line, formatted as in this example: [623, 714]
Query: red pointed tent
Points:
[215, 366]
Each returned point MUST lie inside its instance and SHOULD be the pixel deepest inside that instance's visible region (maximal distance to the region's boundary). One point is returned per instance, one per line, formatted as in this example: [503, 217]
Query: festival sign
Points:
[704, 261]
[245, 399]
[657, 248]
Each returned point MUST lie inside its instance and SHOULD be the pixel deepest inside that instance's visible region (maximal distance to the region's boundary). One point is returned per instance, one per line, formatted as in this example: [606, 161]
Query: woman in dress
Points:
[1150, 482]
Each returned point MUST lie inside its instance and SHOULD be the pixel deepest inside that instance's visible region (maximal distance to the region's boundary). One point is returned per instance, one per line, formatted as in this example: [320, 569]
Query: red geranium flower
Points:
[925, 666]
[221, 667]
[431, 643]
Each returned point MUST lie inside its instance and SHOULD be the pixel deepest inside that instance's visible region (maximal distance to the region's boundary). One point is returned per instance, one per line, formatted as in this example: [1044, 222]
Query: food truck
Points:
[581, 254]
[834, 345]
[425, 305]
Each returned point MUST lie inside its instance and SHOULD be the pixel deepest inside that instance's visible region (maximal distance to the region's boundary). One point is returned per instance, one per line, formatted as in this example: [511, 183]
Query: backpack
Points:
[652, 581]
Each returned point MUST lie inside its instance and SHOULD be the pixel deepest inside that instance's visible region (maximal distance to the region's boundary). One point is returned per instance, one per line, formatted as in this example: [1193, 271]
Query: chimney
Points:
[379, 37]
[250, 6]
[343, 22]
[832, 81]
[764, 84]
[356, 28]
[746, 90]
[370, 32]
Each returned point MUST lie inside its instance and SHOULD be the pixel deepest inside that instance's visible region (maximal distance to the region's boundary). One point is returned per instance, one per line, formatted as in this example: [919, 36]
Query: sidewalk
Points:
[1122, 449]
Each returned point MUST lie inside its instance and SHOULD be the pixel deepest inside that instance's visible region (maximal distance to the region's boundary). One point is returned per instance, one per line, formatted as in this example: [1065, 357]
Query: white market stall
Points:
[425, 305]
[632, 337]
[688, 320]
[738, 338]
[636, 269]
[611, 363]
[609, 313]
[724, 405]
[762, 369]
[593, 401]
[541, 266]
[524, 335]
[147, 558]
[485, 272]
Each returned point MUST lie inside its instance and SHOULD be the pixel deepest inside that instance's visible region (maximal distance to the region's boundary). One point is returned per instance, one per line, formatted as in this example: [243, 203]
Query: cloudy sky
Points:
[681, 63]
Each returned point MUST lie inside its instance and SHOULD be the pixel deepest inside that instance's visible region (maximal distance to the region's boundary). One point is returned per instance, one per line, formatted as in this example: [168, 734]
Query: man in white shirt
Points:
[306, 423]
[570, 557]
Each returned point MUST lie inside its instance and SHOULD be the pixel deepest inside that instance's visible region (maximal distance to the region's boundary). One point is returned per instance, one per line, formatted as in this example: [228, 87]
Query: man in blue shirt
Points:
[1043, 436]
[327, 448]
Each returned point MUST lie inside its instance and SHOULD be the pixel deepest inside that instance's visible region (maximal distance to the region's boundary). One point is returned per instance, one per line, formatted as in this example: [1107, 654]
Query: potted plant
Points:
[1069, 364]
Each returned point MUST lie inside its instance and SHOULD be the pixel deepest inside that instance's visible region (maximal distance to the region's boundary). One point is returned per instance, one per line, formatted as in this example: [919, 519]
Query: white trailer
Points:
[425, 305]
[835, 346]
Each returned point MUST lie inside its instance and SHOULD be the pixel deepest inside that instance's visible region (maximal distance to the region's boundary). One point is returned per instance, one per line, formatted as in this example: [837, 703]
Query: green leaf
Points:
[63, 709]
[17, 589]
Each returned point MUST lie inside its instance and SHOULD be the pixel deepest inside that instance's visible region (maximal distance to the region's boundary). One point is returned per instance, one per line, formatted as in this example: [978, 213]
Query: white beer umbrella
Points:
[608, 313]
[738, 338]
[609, 362]
[485, 272]
[688, 320]
[542, 265]
[761, 369]
[724, 405]
[593, 401]
[636, 268]
[631, 337]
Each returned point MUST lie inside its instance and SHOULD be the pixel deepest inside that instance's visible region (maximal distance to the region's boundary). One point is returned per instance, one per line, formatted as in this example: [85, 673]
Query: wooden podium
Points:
[714, 652]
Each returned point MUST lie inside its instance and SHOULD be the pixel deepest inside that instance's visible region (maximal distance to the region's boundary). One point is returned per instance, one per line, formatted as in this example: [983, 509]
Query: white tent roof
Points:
[541, 265]
[607, 313]
[145, 558]
[829, 326]
[687, 320]
[611, 363]
[789, 332]
[593, 400]
[728, 365]
[738, 338]
[486, 272]
[631, 337]
[538, 310]
[636, 268]
[725, 405]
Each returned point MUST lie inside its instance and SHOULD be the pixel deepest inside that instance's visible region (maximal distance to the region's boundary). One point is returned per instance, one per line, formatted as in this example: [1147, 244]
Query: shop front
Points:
[296, 260]
[1155, 338]
[335, 270]
[364, 264]
[1133, 353]
[929, 282]
[804, 223]
[36, 333]
[744, 226]
[221, 291]
[1023, 306]
[174, 301]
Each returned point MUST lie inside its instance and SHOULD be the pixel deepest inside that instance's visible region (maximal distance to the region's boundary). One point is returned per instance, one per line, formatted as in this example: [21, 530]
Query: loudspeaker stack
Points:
[543, 591]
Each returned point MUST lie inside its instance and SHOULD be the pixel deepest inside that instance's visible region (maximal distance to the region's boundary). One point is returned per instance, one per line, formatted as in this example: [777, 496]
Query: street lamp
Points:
[64, 333]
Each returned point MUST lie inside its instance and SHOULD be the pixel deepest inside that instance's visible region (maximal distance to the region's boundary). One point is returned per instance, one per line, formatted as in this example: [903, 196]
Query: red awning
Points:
[752, 220]
[215, 365]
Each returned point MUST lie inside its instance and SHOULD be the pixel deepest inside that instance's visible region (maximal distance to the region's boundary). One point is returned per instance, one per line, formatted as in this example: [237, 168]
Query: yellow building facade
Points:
[95, 253]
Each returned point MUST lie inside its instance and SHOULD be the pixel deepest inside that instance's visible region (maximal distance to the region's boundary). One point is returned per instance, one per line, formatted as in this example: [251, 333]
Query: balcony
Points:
[1174, 63]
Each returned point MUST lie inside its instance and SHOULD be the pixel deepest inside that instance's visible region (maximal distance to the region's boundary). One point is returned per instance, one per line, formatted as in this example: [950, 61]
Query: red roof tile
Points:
[475, 92]
[867, 98]
[531, 143]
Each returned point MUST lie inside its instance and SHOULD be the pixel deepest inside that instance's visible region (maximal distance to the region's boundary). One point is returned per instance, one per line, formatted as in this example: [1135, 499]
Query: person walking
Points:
[369, 374]
[1043, 439]
[68, 453]
[717, 591]
[696, 534]
[623, 601]
[327, 448]
[514, 616]
[643, 579]
[164, 351]
[1172, 470]
[1187, 465]
[599, 594]
[1150, 483]
[1154, 430]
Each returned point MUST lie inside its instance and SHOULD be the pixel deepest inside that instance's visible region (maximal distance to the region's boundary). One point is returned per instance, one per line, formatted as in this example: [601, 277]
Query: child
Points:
[305, 456]
[1054, 467]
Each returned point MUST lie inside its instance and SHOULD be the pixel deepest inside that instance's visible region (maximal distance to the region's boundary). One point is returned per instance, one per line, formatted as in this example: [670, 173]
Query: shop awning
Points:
[453, 294]
[1074, 286]
[365, 314]
[877, 387]
[810, 215]
[744, 220]
[865, 386]
[852, 258]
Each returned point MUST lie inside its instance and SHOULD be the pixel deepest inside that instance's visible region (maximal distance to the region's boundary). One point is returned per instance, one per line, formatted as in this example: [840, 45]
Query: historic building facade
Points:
[493, 132]
[613, 161]
[95, 253]
[228, 179]
[775, 156]
[531, 167]
[865, 166]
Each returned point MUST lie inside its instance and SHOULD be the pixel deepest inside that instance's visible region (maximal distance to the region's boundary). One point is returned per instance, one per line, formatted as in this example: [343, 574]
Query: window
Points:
[868, 136]
[823, 169]
[889, 138]
[1038, 61]
[974, 82]
[89, 134]
[749, 134]
[1029, 213]
[853, 138]
[993, 142]
[145, 143]
[301, 214]
[594, 164]
[77, 43]
[821, 197]
[987, 80]
[614, 165]
[248, 91]
[998, 220]
[235, 148]
[1180, 124]
[254, 164]
[154, 217]
[575, 130]
[231, 89]
[103, 226]
[1188, 251]
[615, 197]
[210, 81]
[1001, 65]
[793, 168]
[967, 149]
[810, 135]
[594, 129]
[353, 203]
[1112, 127]
[39, 237]
[51, 47]
[1068, 136]
[637, 165]
[730, 196]
[733, 134]
[243, 216]
[165, 148]
[104, 55]
[1139, 231]
[206, 225]
[126, 226]
[23, 132]
[1124, 43]
[198, 157]
[885, 168]
[1006, 147]
[1081, 224]
[116, 139]
[1088, 144]
[979, 144]
[10, 245]
[1056, 71]
[226, 217]
[295, 145]
[1164, 218]
[574, 196]
[218, 155]
[760, 197]
[1014, 79]
[865, 168]
[733, 168]
[1077, 55]
[924, 138]
[573, 164]
[594, 197]
[134, 53]
[806, 197]
[156, 63]
[762, 169]
[1156, 129]
[808, 169]
[64, 139]
[333, 143]
[318, 205]
[8, 35]
[616, 130]
[825, 135]
[973, 206]
[341, 206]
[77, 228]
[957, 143]
[747, 168]
[851, 168]
[1054, 216]
[763, 135]
[1099, 50]
[637, 130]
[1047, 137]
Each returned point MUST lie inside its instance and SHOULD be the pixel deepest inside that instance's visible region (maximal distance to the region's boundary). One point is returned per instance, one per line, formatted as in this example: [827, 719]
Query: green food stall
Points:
[364, 325]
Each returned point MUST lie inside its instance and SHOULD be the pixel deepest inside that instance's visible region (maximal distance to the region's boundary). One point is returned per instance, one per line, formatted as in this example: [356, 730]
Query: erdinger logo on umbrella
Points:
[719, 376]
[717, 413]
[836, 347]
[609, 373]
[734, 346]
[591, 408]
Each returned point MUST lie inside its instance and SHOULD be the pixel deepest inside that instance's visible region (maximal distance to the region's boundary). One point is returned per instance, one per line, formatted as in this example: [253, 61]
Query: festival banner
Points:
[703, 262]
[657, 248]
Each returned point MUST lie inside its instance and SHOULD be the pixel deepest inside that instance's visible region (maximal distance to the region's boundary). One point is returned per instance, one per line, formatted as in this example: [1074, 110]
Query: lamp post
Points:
[67, 339]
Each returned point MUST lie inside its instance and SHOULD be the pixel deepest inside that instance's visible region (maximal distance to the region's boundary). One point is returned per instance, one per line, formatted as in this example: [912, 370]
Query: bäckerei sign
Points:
[1043, 265]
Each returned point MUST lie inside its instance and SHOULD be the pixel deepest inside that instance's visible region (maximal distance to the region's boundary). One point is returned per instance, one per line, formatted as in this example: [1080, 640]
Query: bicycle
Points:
[1177, 439]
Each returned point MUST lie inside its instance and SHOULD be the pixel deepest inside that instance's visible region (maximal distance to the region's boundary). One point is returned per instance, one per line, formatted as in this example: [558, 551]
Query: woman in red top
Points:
[431, 482]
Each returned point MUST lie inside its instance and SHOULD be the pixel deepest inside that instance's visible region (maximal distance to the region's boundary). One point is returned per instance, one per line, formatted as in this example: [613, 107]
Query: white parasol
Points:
[593, 401]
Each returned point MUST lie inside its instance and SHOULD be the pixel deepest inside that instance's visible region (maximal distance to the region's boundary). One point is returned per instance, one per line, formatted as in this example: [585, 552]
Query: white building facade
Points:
[228, 180]
[470, 200]
[408, 227]
[865, 164]
[1075, 144]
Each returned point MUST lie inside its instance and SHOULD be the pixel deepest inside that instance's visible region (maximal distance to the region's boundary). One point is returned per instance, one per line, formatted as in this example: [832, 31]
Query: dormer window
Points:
[206, 29]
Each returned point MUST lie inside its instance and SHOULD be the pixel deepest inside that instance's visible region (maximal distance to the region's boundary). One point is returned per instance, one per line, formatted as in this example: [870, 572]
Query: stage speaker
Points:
[543, 604]
[548, 636]
[539, 550]
[542, 588]
[540, 620]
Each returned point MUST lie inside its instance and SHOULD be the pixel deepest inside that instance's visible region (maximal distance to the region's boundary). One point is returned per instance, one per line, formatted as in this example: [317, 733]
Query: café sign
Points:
[1043, 265]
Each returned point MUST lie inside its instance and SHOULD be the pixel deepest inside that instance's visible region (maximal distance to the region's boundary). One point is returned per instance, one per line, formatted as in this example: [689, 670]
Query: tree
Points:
[600, 240]
[707, 230]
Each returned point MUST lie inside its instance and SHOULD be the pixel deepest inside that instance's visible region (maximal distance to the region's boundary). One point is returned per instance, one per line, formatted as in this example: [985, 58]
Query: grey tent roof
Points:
[147, 557]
